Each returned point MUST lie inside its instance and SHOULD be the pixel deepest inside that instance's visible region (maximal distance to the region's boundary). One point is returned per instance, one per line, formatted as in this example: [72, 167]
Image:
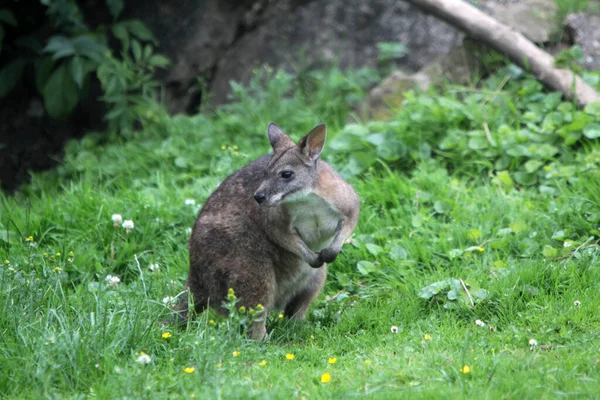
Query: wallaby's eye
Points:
[287, 174]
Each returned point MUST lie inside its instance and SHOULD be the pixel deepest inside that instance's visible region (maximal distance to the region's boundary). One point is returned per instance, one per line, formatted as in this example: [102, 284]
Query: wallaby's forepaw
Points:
[317, 263]
[328, 255]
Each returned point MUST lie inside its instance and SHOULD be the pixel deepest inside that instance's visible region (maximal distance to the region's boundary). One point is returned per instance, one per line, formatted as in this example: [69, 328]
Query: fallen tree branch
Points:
[503, 38]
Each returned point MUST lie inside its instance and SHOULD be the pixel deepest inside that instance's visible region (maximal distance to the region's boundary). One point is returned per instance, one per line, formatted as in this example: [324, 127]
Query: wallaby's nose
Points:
[260, 197]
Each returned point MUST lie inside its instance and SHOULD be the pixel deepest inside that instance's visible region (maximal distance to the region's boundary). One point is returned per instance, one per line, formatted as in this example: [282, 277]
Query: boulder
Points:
[345, 32]
[389, 94]
[583, 31]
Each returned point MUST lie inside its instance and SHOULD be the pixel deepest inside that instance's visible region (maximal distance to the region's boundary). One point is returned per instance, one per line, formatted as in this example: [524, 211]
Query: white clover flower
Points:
[143, 358]
[394, 329]
[128, 224]
[190, 202]
[168, 300]
[112, 280]
[533, 342]
[479, 323]
[188, 231]
[153, 267]
[117, 219]
[577, 303]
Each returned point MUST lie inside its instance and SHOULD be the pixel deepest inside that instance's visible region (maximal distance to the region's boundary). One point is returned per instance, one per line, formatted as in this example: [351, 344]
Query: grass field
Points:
[474, 271]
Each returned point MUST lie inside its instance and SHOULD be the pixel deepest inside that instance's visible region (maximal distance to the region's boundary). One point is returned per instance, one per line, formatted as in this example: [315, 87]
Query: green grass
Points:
[446, 213]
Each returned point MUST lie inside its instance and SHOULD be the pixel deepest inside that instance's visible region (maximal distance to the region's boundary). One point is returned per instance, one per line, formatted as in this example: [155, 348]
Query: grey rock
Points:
[389, 94]
[341, 31]
[584, 31]
[535, 19]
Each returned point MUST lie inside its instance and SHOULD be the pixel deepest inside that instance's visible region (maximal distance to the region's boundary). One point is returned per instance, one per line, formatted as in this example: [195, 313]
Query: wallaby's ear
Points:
[312, 144]
[278, 139]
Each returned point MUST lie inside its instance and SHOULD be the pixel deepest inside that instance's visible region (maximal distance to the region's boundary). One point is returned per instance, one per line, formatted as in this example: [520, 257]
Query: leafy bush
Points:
[480, 132]
[64, 66]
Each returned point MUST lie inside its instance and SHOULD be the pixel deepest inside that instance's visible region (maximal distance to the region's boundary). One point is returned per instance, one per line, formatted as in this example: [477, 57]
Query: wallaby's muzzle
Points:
[259, 197]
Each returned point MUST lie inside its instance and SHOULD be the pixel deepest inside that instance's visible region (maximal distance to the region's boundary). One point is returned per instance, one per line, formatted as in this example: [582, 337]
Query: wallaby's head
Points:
[292, 171]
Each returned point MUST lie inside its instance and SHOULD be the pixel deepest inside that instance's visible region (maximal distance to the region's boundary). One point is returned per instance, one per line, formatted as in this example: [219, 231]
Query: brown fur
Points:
[272, 253]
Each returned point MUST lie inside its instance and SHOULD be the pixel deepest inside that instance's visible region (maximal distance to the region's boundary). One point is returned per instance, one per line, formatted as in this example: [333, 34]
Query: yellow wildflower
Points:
[29, 239]
[325, 377]
[189, 370]
[289, 356]
[235, 353]
[57, 269]
[466, 369]
[332, 360]
[280, 315]
[166, 335]
[263, 363]
[427, 336]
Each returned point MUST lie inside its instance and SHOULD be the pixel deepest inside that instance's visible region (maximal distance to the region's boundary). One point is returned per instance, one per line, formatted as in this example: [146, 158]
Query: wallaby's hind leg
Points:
[298, 306]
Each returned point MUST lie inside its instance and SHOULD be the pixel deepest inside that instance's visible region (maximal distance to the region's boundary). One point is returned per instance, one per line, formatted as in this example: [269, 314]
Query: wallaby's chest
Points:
[315, 219]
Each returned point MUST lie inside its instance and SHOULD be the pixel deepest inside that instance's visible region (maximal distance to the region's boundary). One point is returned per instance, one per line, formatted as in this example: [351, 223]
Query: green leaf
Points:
[392, 148]
[593, 109]
[559, 235]
[59, 46]
[532, 165]
[115, 7]
[525, 179]
[441, 207]
[60, 93]
[139, 30]
[455, 253]
[43, 68]
[136, 49]
[10, 75]
[474, 234]
[182, 162]
[86, 46]
[147, 51]
[518, 226]
[417, 220]
[546, 150]
[430, 291]
[398, 253]
[549, 252]
[365, 267]
[7, 17]
[374, 249]
[504, 179]
[478, 143]
[158, 60]
[120, 32]
[77, 70]
[592, 131]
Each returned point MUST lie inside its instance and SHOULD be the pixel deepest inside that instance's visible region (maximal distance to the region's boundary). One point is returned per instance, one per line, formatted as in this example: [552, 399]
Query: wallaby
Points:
[269, 230]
